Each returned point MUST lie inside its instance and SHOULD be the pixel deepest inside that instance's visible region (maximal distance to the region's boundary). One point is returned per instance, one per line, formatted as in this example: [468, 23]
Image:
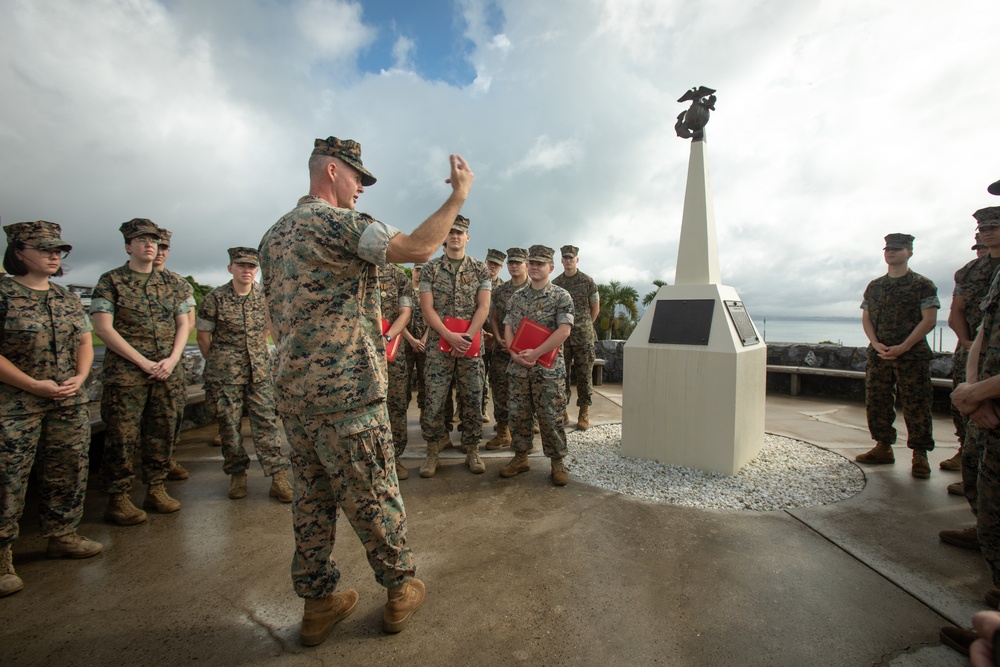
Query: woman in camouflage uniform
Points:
[45, 356]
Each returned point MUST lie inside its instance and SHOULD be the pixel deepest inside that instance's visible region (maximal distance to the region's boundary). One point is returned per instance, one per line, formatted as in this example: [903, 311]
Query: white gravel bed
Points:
[785, 474]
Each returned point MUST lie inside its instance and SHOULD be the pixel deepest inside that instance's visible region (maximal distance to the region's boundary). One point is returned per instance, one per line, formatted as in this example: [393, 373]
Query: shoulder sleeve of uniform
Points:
[565, 311]
[427, 275]
[208, 312]
[105, 288]
[374, 238]
[485, 279]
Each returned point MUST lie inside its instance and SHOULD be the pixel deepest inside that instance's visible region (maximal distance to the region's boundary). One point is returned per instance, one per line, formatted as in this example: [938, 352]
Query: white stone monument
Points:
[695, 366]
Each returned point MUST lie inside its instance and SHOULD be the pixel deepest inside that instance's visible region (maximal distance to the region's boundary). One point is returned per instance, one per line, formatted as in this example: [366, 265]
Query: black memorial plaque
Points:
[741, 320]
[682, 321]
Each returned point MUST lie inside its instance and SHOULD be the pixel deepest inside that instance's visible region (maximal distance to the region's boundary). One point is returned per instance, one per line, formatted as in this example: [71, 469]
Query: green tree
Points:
[199, 290]
[619, 310]
[648, 299]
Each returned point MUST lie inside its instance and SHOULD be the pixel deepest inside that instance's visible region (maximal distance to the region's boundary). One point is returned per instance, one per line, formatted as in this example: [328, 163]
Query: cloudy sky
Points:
[837, 122]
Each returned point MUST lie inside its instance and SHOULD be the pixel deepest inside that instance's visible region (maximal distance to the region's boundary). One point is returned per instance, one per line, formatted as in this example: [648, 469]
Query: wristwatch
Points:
[388, 338]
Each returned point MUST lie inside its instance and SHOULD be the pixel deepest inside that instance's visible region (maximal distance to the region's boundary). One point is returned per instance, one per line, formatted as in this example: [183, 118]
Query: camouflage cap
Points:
[244, 255]
[899, 242]
[165, 236]
[495, 256]
[569, 251]
[461, 223]
[39, 233]
[994, 188]
[347, 150]
[139, 227]
[988, 217]
[978, 244]
[516, 255]
[418, 266]
[540, 253]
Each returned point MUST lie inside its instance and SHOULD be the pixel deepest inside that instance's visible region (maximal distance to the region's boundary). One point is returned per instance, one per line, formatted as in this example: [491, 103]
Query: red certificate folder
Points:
[392, 346]
[459, 326]
[529, 336]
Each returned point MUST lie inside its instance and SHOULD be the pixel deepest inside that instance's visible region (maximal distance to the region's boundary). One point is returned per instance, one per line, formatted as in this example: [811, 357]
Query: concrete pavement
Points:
[521, 572]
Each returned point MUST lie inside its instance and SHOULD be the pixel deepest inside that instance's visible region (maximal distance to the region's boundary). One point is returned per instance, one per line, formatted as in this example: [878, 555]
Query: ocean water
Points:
[841, 330]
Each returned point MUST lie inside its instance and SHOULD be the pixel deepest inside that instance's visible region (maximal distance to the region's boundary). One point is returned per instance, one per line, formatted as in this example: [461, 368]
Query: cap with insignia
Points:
[516, 255]
[139, 227]
[569, 251]
[461, 223]
[347, 150]
[988, 217]
[243, 255]
[899, 242]
[540, 253]
[495, 256]
[41, 234]
[165, 235]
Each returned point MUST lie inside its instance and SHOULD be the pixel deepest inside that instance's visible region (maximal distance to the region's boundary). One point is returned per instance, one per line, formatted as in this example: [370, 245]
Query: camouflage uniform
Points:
[579, 347]
[499, 381]
[396, 292]
[894, 306]
[489, 347]
[972, 283]
[238, 375]
[455, 294]
[415, 360]
[538, 391]
[319, 266]
[136, 409]
[987, 441]
[41, 337]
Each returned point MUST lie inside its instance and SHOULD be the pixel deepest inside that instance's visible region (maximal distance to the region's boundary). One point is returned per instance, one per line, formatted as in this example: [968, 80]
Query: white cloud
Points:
[837, 122]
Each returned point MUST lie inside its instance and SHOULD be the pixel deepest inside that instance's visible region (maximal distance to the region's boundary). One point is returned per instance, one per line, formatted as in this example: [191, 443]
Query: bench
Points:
[195, 395]
[598, 372]
[796, 371]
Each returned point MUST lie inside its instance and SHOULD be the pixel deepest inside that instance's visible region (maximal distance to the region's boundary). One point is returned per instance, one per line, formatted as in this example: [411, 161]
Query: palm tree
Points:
[648, 299]
[619, 311]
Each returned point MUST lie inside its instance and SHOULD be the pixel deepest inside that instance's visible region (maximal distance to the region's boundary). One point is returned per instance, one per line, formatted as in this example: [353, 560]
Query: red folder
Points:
[530, 335]
[392, 346]
[459, 326]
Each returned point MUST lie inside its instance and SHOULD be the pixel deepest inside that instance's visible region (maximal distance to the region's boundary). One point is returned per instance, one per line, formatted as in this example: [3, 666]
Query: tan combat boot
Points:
[516, 465]
[158, 499]
[321, 614]
[280, 488]
[404, 601]
[238, 485]
[956, 489]
[476, 465]
[583, 418]
[74, 546]
[920, 467]
[9, 581]
[880, 453]
[966, 538]
[176, 472]
[560, 476]
[500, 440]
[121, 510]
[401, 471]
[430, 466]
[217, 441]
[954, 463]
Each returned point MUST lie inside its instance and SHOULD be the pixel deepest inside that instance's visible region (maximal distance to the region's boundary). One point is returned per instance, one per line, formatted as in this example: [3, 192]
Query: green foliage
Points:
[619, 310]
[648, 299]
[199, 290]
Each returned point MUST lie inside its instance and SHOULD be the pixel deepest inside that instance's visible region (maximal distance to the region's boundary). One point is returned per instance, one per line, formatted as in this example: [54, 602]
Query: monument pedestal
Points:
[698, 406]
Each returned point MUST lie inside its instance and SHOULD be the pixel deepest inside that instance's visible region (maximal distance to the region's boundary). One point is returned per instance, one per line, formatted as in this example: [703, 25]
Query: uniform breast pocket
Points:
[20, 337]
[131, 314]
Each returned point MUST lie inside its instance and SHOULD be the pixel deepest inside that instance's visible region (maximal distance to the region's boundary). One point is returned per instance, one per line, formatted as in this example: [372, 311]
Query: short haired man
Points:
[397, 303]
[972, 284]
[499, 381]
[177, 471]
[898, 311]
[232, 336]
[494, 262]
[142, 316]
[458, 285]
[320, 264]
[415, 337]
[536, 391]
[579, 349]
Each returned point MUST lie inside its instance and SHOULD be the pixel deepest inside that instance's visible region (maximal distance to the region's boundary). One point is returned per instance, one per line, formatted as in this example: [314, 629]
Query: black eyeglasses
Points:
[50, 251]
